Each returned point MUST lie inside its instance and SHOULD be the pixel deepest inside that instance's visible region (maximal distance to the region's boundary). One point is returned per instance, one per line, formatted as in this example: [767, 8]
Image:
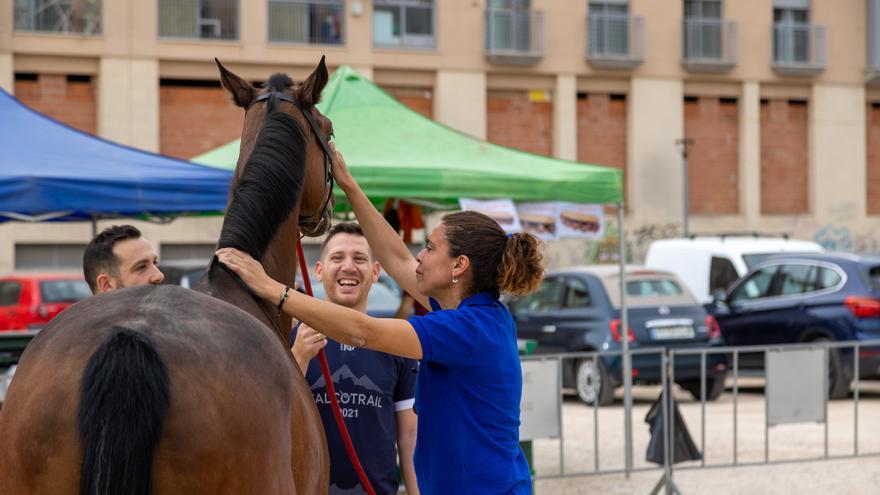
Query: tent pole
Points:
[627, 359]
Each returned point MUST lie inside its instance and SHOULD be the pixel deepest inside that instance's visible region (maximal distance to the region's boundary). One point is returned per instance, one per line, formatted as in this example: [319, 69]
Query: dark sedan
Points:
[578, 309]
[807, 298]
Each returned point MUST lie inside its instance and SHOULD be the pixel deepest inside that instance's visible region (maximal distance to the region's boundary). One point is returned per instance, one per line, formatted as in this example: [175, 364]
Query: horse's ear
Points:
[309, 92]
[243, 92]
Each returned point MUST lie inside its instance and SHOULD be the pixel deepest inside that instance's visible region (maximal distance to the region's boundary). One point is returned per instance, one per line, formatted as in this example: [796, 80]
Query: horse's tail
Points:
[124, 397]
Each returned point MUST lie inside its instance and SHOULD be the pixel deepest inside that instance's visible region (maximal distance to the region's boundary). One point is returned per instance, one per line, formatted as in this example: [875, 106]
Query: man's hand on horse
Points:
[306, 345]
[250, 271]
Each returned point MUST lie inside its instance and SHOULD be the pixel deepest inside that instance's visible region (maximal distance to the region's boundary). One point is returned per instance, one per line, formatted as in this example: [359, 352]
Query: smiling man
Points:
[120, 257]
[375, 390]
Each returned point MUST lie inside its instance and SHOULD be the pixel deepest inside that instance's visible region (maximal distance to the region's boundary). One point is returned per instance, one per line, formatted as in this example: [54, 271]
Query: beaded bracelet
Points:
[283, 297]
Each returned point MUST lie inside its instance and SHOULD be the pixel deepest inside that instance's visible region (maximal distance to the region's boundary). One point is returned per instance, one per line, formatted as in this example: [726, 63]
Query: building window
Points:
[315, 22]
[54, 16]
[408, 23]
[609, 28]
[703, 30]
[791, 31]
[199, 19]
[514, 32]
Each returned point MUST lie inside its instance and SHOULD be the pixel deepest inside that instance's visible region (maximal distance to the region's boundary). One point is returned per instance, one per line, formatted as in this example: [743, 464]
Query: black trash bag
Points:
[685, 449]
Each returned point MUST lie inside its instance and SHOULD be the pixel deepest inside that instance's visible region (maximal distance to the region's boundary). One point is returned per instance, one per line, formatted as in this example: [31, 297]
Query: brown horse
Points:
[161, 390]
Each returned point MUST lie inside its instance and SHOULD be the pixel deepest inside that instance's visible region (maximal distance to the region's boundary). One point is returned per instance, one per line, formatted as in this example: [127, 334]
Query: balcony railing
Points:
[316, 22]
[58, 16]
[709, 45]
[199, 19]
[798, 49]
[514, 36]
[872, 25]
[615, 41]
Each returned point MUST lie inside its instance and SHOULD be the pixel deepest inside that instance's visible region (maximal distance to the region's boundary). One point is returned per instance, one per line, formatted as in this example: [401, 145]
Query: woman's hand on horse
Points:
[250, 271]
[340, 171]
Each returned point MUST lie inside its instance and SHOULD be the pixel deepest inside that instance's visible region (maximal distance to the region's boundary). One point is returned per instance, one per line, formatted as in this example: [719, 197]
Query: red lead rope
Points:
[331, 391]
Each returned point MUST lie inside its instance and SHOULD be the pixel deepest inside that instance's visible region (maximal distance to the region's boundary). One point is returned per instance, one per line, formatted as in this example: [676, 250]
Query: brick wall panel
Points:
[515, 121]
[419, 100]
[784, 159]
[601, 131]
[71, 102]
[195, 119]
[873, 172]
[713, 163]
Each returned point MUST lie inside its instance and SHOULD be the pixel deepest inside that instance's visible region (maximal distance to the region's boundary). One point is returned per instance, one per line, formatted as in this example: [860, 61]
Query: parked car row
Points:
[751, 291]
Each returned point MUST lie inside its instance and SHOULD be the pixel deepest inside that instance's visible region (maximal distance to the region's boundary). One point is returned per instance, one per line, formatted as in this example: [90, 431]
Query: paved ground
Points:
[788, 442]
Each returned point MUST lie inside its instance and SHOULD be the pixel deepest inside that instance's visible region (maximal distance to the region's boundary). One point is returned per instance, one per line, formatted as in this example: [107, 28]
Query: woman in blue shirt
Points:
[469, 383]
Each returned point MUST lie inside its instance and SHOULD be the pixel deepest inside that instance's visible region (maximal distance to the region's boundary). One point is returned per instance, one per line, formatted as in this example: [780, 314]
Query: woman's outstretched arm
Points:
[346, 325]
[386, 244]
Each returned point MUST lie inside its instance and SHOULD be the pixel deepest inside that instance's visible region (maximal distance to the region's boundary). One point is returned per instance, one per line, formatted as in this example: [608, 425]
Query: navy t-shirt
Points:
[467, 397]
[371, 387]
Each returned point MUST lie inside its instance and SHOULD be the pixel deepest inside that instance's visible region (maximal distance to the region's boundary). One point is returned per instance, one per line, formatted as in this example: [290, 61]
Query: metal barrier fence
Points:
[796, 390]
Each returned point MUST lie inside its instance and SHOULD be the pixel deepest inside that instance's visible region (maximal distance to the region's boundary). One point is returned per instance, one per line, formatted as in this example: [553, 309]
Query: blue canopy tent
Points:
[52, 172]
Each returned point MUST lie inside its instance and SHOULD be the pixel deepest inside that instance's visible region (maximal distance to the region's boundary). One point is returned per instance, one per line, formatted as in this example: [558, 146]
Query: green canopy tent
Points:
[393, 151]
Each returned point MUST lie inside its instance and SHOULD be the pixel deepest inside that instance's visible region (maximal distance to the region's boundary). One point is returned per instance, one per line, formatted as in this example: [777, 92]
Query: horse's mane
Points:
[270, 186]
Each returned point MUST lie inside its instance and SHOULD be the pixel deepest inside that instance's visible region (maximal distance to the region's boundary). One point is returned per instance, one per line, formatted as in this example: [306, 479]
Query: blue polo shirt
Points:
[468, 393]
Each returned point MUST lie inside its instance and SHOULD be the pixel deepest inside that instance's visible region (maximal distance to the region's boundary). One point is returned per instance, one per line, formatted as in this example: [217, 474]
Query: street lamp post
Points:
[684, 146]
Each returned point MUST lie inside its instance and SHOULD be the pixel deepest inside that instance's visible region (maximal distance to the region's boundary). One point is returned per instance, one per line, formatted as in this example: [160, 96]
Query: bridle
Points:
[314, 223]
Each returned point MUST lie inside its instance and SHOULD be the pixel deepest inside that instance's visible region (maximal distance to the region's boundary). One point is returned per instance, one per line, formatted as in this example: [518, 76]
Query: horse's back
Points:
[227, 428]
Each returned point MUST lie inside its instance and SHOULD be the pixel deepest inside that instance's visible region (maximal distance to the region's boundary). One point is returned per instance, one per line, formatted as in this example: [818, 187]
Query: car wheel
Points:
[714, 386]
[592, 381]
[838, 379]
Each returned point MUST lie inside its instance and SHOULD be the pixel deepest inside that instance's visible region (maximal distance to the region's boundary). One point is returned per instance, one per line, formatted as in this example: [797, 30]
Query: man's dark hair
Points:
[341, 228]
[99, 256]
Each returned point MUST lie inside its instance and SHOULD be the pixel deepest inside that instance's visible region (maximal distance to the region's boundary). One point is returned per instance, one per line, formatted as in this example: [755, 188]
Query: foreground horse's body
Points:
[231, 386]
[163, 390]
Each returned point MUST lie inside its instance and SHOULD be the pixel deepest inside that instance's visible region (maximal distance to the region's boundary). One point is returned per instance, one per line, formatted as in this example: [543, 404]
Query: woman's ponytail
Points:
[522, 265]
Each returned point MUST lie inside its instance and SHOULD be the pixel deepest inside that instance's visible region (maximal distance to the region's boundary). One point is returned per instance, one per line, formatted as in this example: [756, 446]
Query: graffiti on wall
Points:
[841, 238]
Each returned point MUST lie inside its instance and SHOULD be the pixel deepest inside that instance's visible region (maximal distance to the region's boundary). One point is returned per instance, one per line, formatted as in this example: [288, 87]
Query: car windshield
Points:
[648, 290]
[652, 287]
[54, 291]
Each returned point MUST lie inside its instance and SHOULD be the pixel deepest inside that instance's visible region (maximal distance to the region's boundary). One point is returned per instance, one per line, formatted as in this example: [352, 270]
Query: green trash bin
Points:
[527, 348]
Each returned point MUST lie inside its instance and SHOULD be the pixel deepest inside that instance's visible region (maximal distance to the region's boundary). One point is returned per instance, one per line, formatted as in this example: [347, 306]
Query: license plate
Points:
[673, 333]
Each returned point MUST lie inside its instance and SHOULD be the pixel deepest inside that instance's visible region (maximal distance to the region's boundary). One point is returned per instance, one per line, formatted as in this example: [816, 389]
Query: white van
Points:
[706, 264]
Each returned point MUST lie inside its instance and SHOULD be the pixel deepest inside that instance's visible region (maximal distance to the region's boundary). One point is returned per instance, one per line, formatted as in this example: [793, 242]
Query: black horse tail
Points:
[124, 397]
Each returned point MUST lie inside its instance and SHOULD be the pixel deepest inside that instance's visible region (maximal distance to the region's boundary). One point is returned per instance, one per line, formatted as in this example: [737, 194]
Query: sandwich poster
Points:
[540, 219]
[500, 210]
[581, 220]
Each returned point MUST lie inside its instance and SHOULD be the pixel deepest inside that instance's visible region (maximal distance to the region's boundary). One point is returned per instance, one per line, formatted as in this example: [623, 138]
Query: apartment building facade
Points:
[777, 97]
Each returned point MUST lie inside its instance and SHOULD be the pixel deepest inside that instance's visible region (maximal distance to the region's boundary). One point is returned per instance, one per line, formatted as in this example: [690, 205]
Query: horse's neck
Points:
[279, 262]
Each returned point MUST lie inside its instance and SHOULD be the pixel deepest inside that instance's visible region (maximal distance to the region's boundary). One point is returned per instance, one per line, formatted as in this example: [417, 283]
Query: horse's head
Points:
[298, 100]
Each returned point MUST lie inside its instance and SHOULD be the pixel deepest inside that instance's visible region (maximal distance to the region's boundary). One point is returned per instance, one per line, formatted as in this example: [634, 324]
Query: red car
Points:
[29, 301]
